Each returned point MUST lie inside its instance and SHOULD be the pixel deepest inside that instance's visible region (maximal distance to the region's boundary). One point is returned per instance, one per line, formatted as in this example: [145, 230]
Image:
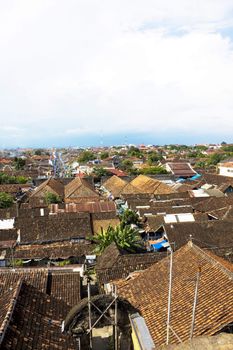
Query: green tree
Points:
[153, 170]
[129, 217]
[154, 157]
[38, 152]
[126, 165]
[19, 163]
[86, 156]
[51, 198]
[125, 237]
[6, 200]
[104, 155]
[21, 180]
[98, 172]
[7, 179]
[227, 148]
[134, 152]
[215, 158]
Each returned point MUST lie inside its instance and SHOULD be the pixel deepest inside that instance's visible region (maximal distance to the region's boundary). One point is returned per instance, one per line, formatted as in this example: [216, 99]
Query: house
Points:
[48, 253]
[225, 168]
[79, 190]
[215, 235]
[181, 169]
[114, 185]
[145, 184]
[192, 268]
[53, 228]
[51, 185]
[89, 207]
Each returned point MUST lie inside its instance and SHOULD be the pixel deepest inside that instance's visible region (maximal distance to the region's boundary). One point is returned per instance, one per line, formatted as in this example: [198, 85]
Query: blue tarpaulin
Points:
[159, 245]
[195, 177]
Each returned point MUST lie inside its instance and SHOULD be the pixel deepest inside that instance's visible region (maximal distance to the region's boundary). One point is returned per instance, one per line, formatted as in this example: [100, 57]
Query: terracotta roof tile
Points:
[149, 293]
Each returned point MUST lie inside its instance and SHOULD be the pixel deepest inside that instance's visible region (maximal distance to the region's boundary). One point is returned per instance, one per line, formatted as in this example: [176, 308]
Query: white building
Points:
[226, 168]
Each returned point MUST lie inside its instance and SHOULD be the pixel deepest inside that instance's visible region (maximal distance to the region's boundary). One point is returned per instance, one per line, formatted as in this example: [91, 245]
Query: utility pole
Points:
[169, 297]
[195, 302]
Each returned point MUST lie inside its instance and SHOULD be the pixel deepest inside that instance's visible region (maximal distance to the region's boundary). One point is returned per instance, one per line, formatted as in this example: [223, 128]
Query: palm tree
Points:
[124, 236]
[102, 240]
[127, 237]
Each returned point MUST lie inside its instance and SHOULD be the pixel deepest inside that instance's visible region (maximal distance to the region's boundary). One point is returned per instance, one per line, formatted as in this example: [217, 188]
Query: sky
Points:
[96, 72]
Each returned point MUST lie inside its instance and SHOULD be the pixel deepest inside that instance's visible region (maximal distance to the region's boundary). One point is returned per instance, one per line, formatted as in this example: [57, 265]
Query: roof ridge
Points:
[211, 259]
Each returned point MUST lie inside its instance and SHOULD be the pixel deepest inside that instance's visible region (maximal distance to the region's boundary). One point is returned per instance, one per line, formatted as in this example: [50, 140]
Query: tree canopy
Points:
[7, 179]
[51, 198]
[19, 163]
[104, 155]
[99, 171]
[6, 200]
[129, 217]
[86, 156]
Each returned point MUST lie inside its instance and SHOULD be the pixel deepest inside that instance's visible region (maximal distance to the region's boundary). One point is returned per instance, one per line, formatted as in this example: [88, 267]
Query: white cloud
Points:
[116, 66]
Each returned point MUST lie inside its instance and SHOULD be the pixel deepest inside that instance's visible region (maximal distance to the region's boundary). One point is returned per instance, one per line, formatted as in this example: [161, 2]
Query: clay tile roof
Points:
[145, 184]
[55, 250]
[222, 213]
[90, 207]
[50, 185]
[36, 323]
[206, 234]
[63, 226]
[212, 203]
[65, 286]
[79, 188]
[8, 297]
[216, 179]
[34, 277]
[149, 292]
[115, 263]
[114, 185]
[130, 189]
[181, 169]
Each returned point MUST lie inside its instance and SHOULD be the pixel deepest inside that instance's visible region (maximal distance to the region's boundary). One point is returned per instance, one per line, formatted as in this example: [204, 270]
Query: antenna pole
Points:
[195, 302]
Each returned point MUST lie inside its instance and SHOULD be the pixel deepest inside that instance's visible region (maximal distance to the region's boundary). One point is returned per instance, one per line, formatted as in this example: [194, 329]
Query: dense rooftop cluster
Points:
[145, 205]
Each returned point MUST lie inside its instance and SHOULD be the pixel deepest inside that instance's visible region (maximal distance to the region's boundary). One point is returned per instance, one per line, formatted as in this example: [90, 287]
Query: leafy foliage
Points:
[38, 152]
[126, 165]
[134, 152]
[125, 237]
[153, 170]
[86, 156]
[63, 262]
[51, 198]
[129, 217]
[7, 179]
[6, 200]
[228, 148]
[154, 157]
[19, 163]
[99, 171]
[104, 155]
[215, 158]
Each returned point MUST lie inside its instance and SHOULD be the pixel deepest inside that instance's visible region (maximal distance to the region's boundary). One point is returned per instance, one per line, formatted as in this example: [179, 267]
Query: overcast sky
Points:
[88, 71]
